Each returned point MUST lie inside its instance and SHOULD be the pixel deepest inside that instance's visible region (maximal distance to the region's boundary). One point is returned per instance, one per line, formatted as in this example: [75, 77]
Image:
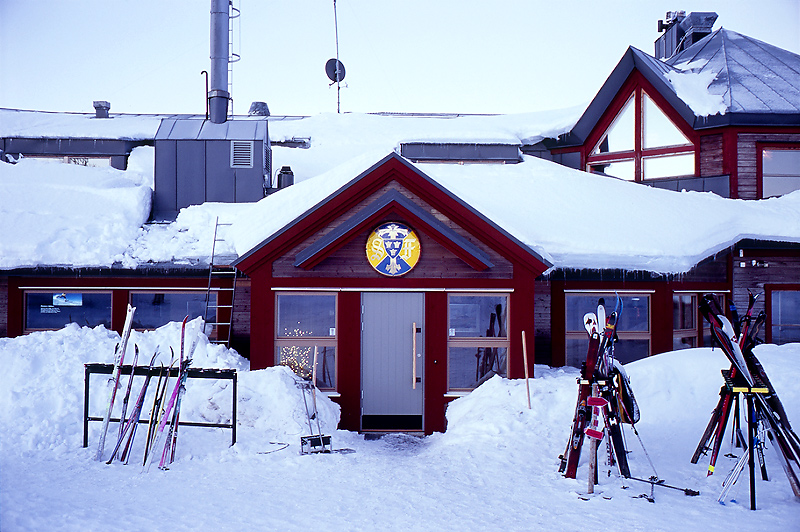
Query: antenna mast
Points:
[338, 77]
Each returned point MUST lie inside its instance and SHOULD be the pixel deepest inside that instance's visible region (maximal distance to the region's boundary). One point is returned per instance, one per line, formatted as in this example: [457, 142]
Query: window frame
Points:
[477, 342]
[309, 341]
[622, 334]
[761, 146]
[769, 290]
[26, 329]
[640, 153]
[201, 291]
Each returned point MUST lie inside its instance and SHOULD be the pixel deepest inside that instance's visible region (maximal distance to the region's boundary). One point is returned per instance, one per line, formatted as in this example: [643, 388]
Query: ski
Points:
[571, 456]
[159, 432]
[182, 391]
[122, 419]
[133, 421]
[119, 358]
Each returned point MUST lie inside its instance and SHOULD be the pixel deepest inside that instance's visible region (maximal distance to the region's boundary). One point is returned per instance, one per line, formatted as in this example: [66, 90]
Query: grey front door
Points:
[392, 360]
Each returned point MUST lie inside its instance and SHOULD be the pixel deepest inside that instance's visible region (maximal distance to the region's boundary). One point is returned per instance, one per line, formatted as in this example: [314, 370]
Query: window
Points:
[684, 321]
[785, 316]
[652, 147]
[154, 309]
[54, 310]
[633, 328]
[307, 323]
[780, 170]
[477, 345]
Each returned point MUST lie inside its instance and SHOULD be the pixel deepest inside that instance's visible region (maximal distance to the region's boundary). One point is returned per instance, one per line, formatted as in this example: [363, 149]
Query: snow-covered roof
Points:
[54, 214]
[17, 123]
[748, 75]
[566, 216]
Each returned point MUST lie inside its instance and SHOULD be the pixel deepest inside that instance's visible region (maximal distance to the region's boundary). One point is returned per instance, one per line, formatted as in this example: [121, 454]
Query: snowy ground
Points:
[494, 469]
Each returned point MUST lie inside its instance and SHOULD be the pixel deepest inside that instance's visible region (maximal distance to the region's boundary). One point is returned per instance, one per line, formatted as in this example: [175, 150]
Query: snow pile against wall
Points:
[53, 213]
[42, 391]
[495, 467]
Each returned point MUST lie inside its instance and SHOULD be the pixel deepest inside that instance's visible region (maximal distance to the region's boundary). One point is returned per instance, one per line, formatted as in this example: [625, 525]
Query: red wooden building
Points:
[393, 349]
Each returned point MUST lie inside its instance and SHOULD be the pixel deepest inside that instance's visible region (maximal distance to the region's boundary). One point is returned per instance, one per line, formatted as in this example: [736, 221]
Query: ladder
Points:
[221, 282]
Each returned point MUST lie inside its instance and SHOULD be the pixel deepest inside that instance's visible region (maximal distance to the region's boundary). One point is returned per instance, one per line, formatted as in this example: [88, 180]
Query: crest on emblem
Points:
[393, 249]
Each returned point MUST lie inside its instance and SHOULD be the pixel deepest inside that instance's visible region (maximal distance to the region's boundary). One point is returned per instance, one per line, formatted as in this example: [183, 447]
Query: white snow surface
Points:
[41, 124]
[693, 89]
[563, 214]
[60, 214]
[495, 468]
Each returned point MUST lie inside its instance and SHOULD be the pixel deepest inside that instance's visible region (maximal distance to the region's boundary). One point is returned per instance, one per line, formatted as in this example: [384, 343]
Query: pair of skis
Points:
[119, 358]
[172, 409]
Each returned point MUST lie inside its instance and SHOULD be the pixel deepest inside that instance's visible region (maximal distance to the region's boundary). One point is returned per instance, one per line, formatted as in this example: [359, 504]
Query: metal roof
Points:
[760, 83]
[752, 76]
[199, 129]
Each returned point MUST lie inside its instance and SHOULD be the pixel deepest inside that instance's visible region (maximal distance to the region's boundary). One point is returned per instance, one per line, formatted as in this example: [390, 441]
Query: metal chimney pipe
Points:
[218, 95]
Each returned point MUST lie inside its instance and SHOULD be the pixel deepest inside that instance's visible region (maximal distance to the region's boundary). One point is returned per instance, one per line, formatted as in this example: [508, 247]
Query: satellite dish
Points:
[334, 67]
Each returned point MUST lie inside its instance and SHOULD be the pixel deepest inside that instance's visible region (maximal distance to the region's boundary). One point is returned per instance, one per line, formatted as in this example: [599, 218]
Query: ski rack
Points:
[192, 373]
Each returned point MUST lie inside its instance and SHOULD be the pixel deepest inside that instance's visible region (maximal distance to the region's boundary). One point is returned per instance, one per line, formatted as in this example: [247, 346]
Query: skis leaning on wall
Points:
[119, 358]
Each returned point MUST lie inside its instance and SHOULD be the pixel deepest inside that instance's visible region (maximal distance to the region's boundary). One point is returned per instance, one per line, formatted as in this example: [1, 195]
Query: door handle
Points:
[414, 356]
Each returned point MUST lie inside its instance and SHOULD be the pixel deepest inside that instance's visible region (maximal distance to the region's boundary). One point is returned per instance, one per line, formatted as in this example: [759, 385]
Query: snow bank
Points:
[496, 466]
[54, 214]
[42, 390]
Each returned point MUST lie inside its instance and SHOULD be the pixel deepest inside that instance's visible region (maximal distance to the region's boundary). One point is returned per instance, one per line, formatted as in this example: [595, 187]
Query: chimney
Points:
[218, 94]
[681, 31]
[101, 108]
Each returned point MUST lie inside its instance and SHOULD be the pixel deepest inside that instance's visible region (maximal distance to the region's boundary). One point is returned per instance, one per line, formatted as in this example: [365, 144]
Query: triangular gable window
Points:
[621, 134]
[658, 130]
[642, 143]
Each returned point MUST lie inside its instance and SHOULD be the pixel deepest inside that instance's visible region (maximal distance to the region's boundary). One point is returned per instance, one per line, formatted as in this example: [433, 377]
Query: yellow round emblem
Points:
[393, 249]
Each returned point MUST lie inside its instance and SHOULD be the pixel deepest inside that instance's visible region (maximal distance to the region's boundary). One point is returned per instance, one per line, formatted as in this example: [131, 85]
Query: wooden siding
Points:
[771, 268]
[350, 261]
[240, 335]
[711, 155]
[747, 162]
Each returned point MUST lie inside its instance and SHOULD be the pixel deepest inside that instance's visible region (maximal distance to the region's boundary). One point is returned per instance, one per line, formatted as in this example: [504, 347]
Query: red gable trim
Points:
[391, 168]
[394, 203]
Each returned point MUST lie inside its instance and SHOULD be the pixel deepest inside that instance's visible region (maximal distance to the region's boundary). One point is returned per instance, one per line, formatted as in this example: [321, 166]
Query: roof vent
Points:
[259, 109]
[101, 108]
[242, 154]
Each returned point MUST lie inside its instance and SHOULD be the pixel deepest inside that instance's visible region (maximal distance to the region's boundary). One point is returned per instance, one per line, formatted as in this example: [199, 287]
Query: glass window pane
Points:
[627, 350]
[668, 166]
[576, 351]
[620, 135]
[659, 131]
[683, 312]
[154, 309]
[780, 171]
[477, 316]
[634, 317]
[467, 367]
[306, 315]
[683, 342]
[621, 169]
[785, 314]
[300, 359]
[53, 310]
